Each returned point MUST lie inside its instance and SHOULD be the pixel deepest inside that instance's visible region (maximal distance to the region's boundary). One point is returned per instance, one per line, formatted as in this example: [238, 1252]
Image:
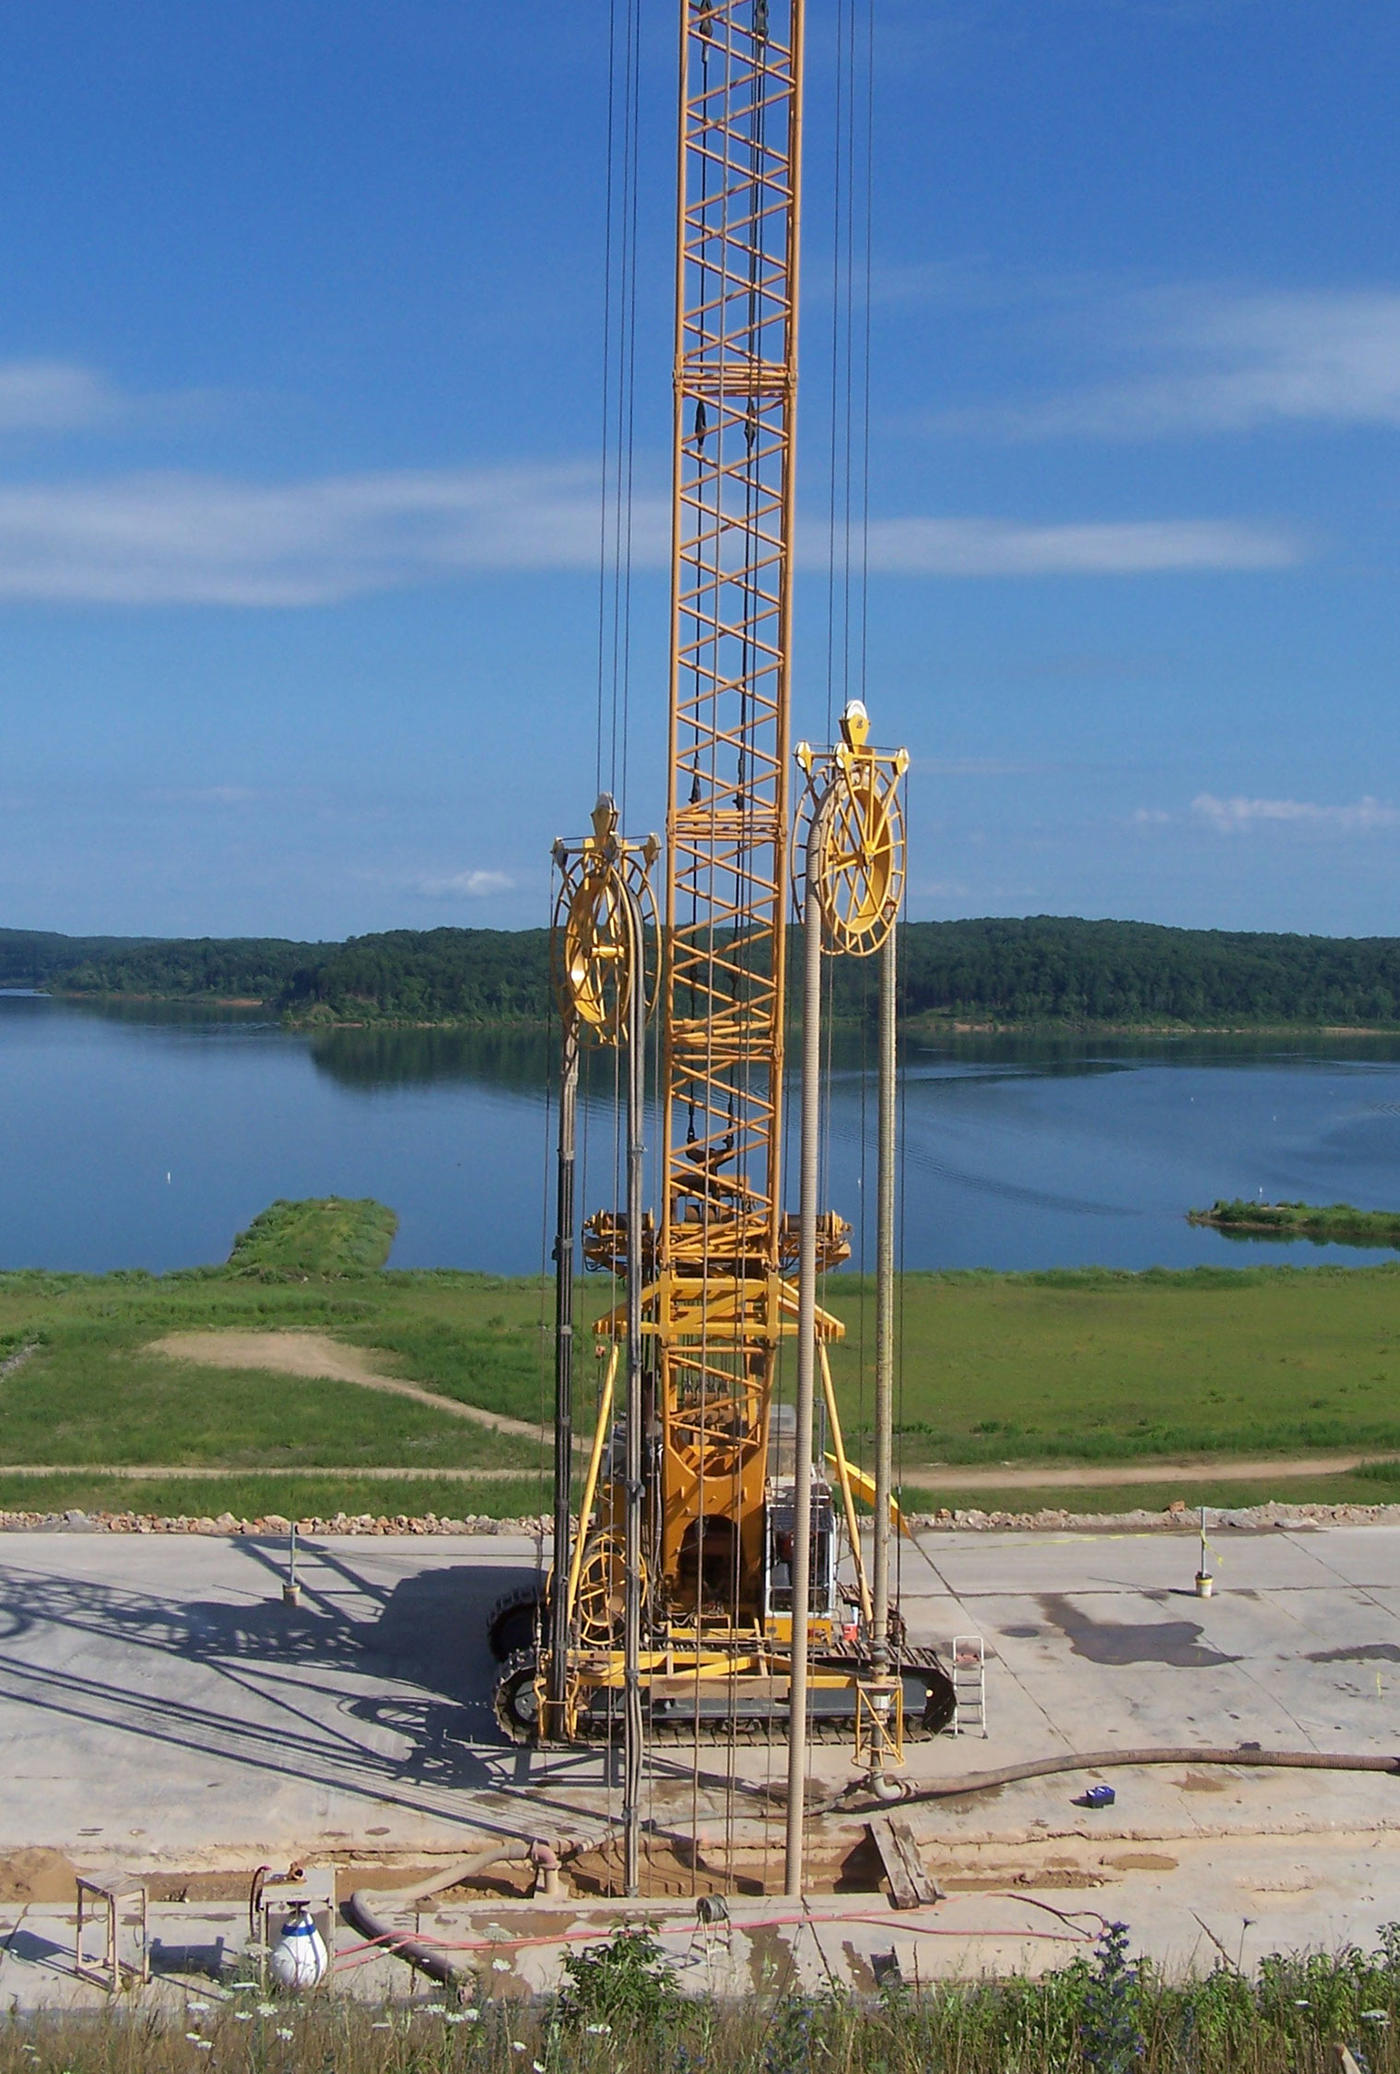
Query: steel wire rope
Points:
[626, 381]
[552, 1019]
[631, 194]
[746, 780]
[846, 138]
[703, 875]
[622, 542]
[901, 1227]
[866, 344]
[605, 456]
[616, 516]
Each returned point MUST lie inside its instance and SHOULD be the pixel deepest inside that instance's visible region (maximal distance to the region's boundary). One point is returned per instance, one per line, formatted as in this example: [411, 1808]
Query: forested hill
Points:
[1043, 970]
[1062, 970]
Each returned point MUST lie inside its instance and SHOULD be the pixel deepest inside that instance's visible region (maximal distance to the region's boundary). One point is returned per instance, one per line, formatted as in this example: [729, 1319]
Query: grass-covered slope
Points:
[1054, 1370]
[83, 1380]
[322, 1235]
[1095, 1366]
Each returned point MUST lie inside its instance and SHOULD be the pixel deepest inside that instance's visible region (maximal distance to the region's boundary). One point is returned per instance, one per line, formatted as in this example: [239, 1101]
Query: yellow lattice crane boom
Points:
[698, 1573]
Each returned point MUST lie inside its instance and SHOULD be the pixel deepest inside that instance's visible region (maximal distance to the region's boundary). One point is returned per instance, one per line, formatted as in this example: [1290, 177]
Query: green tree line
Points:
[1043, 969]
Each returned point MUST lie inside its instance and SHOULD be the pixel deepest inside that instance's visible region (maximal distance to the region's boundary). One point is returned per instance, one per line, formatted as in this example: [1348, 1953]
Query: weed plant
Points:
[619, 2012]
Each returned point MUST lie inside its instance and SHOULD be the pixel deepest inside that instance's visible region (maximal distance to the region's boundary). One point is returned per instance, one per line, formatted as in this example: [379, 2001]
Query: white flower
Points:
[267, 2009]
[381, 2027]
[538, 2066]
[598, 2030]
[283, 2034]
[243, 2016]
[198, 2007]
[1375, 2016]
[500, 1965]
[517, 2045]
[193, 2037]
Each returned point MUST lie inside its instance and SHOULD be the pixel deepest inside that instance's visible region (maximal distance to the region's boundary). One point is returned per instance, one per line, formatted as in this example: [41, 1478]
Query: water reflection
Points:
[376, 1058]
[146, 1134]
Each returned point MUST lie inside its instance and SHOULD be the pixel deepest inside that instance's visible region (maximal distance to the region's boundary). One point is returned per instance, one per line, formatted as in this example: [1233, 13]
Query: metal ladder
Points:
[969, 1685]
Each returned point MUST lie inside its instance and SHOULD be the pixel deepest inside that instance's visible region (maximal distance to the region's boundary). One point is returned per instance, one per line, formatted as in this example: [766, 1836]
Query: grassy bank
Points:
[91, 1388]
[1094, 1366]
[1052, 1370]
[260, 1497]
[1102, 2013]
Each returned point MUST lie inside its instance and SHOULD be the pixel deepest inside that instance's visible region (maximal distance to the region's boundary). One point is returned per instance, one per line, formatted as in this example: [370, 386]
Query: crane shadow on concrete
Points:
[377, 1693]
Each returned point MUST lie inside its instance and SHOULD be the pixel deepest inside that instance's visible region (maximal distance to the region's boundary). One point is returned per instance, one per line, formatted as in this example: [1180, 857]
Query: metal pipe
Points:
[563, 1371]
[843, 1477]
[632, 1512]
[884, 1315]
[590, 1481]
[806, 1366]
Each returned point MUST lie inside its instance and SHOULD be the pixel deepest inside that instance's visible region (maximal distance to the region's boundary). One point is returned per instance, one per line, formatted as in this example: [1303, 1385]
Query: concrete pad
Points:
[160, 1706]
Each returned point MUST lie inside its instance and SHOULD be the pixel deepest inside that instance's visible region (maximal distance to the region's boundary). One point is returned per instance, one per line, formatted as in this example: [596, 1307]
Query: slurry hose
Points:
[1102, 1760]
[360, 1912]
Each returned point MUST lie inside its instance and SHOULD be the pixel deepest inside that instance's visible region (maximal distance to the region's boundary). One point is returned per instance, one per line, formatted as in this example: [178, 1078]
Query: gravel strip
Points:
[1177, 1518]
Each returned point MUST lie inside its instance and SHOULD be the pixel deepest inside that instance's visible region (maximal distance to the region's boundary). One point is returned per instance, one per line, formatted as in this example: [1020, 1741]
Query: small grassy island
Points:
[1336, 1224]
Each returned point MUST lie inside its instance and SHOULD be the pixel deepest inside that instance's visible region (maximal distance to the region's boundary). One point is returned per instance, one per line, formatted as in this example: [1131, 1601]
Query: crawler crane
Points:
[670, 1607]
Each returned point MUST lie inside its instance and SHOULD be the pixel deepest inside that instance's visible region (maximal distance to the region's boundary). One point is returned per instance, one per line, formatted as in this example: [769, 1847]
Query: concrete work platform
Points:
[162, 1709]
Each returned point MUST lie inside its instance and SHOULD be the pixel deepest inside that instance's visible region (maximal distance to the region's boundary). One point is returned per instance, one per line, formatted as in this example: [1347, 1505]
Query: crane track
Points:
[514, 1712]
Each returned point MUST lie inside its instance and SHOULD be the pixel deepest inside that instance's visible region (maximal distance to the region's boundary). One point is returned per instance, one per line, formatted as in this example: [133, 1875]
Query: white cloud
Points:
[206, 795]
[1213, 362]
[186, 539]
[1002, 547]
[172, 538]
[53, 396]
[1238, 816]
[1150, 817]
[471, 885]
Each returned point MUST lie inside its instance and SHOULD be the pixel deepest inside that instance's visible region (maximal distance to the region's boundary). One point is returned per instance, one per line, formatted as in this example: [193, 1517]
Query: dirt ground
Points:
[37, 1875]
[316, 1354]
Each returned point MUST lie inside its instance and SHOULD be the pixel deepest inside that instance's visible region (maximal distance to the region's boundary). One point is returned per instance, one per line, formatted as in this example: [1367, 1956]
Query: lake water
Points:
[148, 1139]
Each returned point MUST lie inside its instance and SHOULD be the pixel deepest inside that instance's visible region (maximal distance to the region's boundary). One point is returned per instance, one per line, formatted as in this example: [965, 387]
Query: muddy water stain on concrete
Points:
[1118, 1643]
[1364, 1653]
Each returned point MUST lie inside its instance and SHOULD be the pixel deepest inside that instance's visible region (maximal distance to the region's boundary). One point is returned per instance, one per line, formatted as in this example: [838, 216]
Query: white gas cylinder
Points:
[299, 1957]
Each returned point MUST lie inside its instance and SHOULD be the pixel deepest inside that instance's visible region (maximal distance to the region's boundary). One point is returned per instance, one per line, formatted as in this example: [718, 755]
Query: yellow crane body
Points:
[717, 1298]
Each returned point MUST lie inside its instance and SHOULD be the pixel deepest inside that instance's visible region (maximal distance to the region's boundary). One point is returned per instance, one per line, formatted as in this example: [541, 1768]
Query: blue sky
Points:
[301, 312]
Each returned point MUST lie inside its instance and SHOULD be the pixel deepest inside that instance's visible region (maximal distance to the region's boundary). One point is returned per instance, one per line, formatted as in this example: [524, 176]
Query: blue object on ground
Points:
[1096, 1797]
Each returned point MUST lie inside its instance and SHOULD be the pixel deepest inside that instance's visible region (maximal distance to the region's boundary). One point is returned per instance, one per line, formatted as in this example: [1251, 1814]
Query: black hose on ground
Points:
[1103, 1760]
